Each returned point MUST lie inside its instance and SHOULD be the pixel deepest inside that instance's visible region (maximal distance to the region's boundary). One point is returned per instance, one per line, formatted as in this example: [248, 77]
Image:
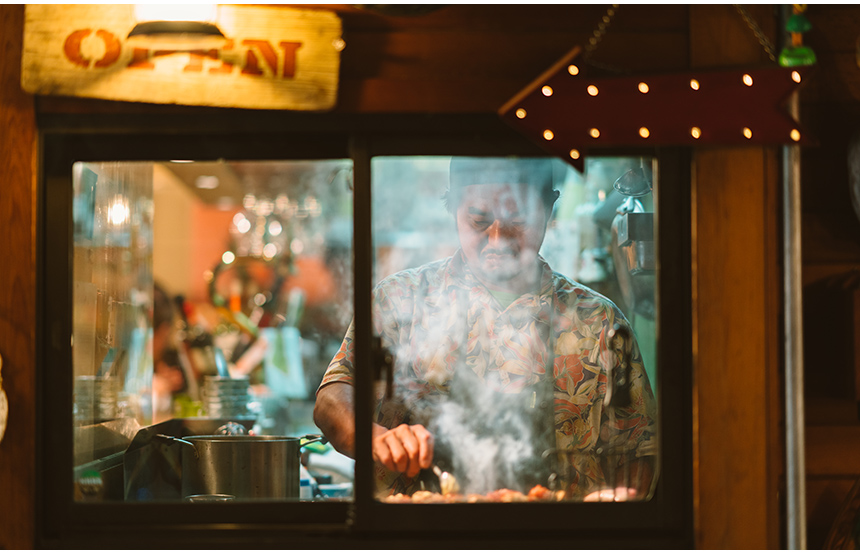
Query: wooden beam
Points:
[17, 289]
[736, 317]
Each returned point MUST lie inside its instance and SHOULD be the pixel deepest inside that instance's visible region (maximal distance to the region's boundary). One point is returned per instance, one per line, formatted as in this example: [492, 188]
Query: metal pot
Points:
[246, 467]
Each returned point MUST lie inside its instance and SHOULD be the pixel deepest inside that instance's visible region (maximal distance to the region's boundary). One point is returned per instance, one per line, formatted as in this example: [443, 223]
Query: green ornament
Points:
[795, 56]
[798, 23]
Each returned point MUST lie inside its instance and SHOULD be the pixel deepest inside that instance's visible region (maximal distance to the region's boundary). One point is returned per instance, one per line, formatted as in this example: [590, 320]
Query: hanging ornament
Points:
[797, 54]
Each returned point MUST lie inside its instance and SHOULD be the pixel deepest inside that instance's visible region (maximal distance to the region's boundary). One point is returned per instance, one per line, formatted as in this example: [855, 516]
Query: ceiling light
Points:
[207, 182]
[176, 26]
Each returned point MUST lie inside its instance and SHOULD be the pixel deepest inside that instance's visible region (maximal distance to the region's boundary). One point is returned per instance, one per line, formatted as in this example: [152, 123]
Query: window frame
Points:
[658, 517]
[665, 521]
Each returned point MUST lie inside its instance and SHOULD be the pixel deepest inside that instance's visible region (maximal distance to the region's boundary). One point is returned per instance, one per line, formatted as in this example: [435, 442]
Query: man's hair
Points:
[534, 172]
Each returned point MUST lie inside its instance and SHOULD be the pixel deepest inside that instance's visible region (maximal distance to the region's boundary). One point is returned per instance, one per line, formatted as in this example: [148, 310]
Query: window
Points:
[362, 208]
[475, 337]
[209, 298]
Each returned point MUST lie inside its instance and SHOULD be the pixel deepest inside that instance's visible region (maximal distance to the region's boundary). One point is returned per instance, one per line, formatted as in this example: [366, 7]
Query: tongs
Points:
[447, 483]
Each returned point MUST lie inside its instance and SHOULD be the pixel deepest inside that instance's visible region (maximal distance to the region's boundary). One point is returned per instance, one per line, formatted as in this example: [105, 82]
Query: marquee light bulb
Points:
[747, 79]
[594, 132]
[795, 135]
[795, 76]
[643, 88]
[573, 70]
[592, 90]
[521, 113]
[695, 132]
[548, 135]
[574, 154]
[747, 132]
[694, 84]
[546, 90]
[644, 132]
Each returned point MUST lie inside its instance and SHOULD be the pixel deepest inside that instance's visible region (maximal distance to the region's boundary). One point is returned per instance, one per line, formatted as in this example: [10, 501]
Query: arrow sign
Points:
[567, 112]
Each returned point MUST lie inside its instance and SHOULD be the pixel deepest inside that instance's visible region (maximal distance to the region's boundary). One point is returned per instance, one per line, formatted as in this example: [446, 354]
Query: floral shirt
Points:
[419, 315]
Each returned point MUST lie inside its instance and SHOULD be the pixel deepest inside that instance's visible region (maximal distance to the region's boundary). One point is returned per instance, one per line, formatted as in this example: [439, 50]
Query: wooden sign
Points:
[272, 58]
[566, 111]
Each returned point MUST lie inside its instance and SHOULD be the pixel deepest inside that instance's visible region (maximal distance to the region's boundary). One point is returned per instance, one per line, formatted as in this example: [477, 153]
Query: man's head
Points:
[502, 207]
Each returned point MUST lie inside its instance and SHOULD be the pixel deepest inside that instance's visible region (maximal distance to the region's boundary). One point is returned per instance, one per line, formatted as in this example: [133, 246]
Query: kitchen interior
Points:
[228, 291]
[210, 297]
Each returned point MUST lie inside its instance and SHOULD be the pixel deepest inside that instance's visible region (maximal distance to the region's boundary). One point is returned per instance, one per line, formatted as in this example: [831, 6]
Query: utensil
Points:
[447, 482]
[226, 397]
[210, 498]
[221, 363]
[243, 466]
[231, 428]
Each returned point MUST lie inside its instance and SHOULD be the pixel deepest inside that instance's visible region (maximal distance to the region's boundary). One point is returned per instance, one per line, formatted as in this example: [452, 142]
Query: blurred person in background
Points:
[168, 378]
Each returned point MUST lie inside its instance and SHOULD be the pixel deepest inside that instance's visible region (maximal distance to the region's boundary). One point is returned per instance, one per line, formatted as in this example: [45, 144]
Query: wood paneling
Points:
[473, 58]
[832, 468]
[831, 251]
[731, 367]
[833, 450]
[17, 289]
[824, 498]
[833, 38]
[735, 314]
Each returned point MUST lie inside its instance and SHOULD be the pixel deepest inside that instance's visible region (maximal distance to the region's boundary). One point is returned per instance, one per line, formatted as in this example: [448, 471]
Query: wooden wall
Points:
[735, 286]
[471, 59]
[17, 289]
[830, 108]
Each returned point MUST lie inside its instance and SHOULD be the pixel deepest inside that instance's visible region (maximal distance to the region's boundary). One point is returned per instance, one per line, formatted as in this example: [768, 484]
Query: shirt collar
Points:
[459, 275]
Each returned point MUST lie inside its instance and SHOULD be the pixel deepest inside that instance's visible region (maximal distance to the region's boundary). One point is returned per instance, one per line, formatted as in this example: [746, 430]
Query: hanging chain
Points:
[595, 39]
[598, 33]
[601, 29]
[762, 39]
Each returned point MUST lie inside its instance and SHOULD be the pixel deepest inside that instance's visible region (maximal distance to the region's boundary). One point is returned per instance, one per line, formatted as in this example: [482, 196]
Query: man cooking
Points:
[501, 364]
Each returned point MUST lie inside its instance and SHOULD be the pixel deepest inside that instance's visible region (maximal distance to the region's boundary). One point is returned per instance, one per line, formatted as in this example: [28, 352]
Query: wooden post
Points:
[736, 284]
[17, 289]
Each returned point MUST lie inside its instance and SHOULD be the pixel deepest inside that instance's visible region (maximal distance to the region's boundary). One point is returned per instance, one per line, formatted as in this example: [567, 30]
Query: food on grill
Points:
[538, 493]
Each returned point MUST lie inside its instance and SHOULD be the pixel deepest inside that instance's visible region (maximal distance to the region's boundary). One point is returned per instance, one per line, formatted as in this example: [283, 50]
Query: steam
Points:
[485, 436]
[483, 462]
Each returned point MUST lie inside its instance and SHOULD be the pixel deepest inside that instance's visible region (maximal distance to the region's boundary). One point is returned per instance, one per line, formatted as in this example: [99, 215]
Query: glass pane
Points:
[209, 298]
[522, 329]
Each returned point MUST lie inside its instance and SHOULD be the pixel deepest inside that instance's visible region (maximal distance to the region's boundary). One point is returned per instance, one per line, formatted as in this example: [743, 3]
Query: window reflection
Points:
[521, 321]
[209, 299]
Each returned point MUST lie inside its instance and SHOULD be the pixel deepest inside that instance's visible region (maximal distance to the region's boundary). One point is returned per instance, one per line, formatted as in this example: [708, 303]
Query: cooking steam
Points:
[483, 433]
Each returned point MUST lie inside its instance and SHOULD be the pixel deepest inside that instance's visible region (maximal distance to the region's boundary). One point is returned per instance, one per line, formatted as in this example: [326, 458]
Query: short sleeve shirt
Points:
[438, 315]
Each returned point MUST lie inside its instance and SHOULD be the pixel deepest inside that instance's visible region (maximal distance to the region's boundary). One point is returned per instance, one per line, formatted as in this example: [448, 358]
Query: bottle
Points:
[305, 484]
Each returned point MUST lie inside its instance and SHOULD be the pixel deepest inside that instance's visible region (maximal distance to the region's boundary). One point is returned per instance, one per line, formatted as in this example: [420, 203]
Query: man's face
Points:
[501, 228]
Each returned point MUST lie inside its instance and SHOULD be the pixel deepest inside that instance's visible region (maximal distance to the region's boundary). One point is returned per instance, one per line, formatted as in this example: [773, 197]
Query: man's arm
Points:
[406, 448]
[334, 414]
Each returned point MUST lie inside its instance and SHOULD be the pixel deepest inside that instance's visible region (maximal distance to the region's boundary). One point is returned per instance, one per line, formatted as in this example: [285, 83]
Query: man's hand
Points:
[406, 448]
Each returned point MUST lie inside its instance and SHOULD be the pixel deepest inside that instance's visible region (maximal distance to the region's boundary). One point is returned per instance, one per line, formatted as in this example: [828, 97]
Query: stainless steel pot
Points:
[246, 467]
